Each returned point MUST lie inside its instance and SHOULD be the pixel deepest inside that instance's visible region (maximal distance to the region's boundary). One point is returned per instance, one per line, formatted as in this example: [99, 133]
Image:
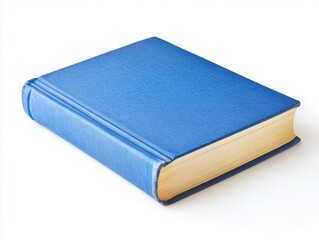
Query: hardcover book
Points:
[167, 120]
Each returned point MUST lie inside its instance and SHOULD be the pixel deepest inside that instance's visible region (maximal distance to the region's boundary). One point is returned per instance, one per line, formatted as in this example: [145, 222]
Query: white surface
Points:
[51, 190]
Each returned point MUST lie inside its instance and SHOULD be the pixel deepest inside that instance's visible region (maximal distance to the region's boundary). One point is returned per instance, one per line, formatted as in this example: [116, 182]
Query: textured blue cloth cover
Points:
[137, 108]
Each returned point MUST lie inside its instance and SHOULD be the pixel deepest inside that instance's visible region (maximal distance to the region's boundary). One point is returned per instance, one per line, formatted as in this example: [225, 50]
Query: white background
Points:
[51, 190]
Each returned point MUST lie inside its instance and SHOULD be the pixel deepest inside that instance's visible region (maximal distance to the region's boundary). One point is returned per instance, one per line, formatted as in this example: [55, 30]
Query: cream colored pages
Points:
[220, 157]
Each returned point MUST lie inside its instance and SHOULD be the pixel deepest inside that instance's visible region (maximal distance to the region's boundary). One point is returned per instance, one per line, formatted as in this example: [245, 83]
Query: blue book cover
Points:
[142, 107]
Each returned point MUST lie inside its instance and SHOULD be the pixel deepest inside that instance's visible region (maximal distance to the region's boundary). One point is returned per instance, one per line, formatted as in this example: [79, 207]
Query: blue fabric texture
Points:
[138, 108]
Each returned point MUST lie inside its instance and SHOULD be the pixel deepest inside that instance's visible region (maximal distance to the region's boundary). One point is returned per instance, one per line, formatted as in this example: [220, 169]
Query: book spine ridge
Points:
[99, 120]
[26, 92]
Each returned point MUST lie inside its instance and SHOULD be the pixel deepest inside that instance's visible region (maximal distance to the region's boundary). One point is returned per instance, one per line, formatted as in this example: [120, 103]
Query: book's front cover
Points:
[166, 98]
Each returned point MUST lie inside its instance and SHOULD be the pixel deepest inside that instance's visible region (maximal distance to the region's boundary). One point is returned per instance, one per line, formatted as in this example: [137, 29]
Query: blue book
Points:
[167, 120]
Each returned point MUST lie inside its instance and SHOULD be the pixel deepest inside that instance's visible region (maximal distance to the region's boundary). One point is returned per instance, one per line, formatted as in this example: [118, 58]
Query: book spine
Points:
[132, 162]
